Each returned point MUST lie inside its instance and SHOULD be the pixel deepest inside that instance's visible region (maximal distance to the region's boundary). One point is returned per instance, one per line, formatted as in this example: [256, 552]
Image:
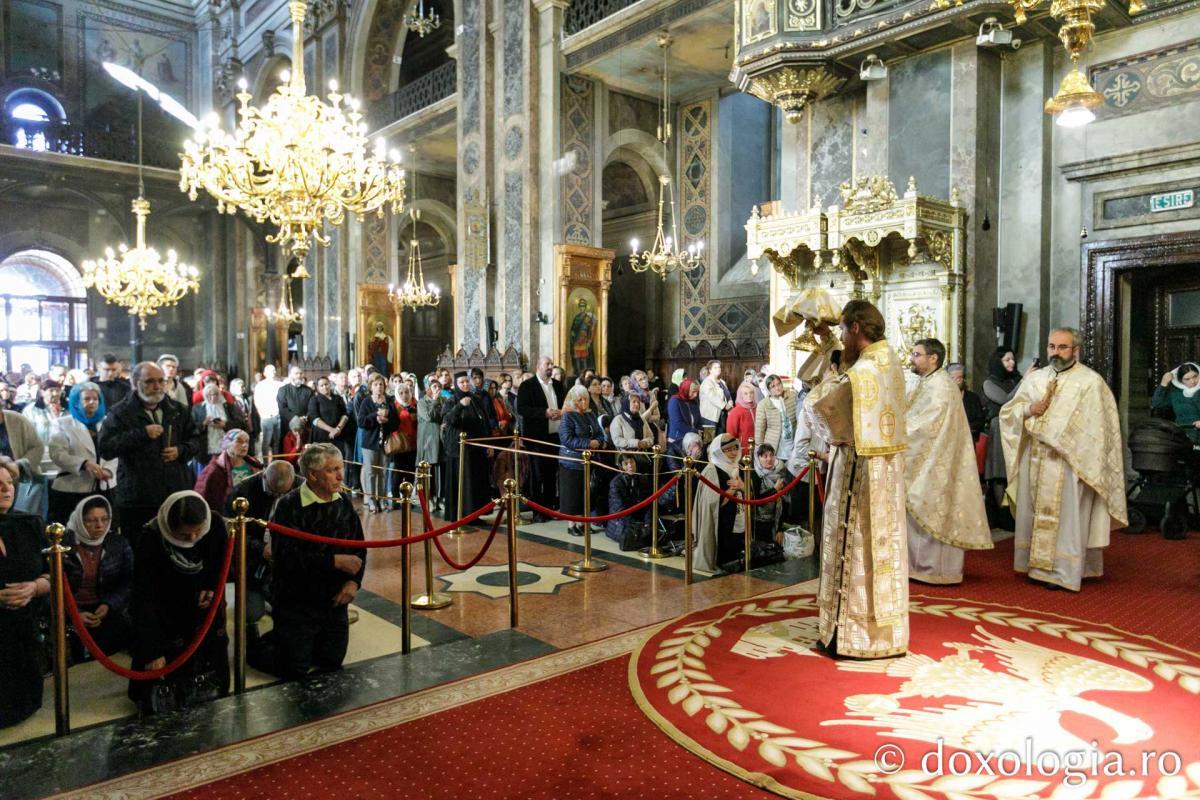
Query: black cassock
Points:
[472, 420]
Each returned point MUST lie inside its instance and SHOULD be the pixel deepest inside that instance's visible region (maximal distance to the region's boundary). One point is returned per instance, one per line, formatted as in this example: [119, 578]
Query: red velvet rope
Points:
[179, 660]
[762, 501]
[420, 537]
[479, 556]
[820, 488]
[550, 512]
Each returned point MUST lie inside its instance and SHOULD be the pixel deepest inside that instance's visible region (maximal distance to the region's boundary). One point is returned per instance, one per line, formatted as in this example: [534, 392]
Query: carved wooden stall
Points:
[493, 362]
[905, 254]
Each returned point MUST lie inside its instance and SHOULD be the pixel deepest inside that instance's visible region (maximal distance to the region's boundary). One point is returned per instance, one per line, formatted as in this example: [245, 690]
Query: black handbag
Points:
[635, 536]
[762, 554]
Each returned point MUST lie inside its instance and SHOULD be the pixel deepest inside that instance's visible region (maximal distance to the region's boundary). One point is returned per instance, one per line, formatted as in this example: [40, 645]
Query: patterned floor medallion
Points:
[492, 580]
[989, 702]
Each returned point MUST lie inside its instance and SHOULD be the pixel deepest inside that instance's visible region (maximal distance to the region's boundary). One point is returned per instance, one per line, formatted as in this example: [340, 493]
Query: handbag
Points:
[761, 554]
[396, 442]
[635, 536]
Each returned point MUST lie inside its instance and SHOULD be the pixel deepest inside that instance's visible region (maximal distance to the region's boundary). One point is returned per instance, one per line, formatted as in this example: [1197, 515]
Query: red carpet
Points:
[1150, 586]
[578, 735]
[742, 686]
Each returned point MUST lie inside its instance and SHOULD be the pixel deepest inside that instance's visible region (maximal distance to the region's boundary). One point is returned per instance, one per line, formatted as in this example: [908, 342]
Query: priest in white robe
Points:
[863, 593]
[1065, 460]
[944, 498]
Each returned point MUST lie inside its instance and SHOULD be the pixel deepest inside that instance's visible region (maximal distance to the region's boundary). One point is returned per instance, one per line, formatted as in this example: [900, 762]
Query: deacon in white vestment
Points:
[943, 497]
[1065, 460]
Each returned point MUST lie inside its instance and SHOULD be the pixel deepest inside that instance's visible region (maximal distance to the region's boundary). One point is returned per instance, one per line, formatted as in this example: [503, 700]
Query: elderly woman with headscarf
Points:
[73, 450]
[999, 387]
[176, 577]
[740, 420]
[1179, 390]
[99, 569]
[630, 431]
[214, 416]
[231, 466]
[23, 580]
[718, 522]
[683, 412]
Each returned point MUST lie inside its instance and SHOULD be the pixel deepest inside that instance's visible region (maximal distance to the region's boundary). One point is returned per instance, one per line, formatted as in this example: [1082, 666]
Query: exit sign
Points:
[1173, 201]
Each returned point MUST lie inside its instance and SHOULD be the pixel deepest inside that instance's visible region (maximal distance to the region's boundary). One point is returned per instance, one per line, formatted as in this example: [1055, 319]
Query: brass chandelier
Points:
[287, 313]
[1074, 102]
[414, 293]
[297, 161]
[663, 257]
[421, 23]
[137, 278]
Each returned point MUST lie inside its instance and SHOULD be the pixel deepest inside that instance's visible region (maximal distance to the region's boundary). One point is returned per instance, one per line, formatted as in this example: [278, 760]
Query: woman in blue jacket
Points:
[578, 430]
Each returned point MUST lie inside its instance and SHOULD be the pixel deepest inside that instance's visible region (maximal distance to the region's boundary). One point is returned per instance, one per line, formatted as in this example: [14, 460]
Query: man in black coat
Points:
[112, 388]
[293, 398]
[465, 414]
[972, 404]
[539, 407]
[155, 439]
[262, 490]
[313, 584]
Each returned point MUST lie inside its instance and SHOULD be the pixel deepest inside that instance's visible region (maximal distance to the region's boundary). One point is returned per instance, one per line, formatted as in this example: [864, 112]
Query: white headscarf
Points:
[717, 456]
[1187, 392]
[76, 526]
[165, 509]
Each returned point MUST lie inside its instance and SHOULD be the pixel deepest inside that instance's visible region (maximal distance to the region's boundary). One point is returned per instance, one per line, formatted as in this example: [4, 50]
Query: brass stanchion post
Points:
[652, 552]
[587, 564]
[429, 600]
[62, 695]
[406, 490]
[458, 493]
[516, 457]
[240, 505]
[512, 496]
[747, 511]
[688, 471]
[812, 493]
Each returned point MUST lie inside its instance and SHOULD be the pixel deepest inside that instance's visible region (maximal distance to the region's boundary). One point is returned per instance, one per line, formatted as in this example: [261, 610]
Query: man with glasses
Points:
[153, 437]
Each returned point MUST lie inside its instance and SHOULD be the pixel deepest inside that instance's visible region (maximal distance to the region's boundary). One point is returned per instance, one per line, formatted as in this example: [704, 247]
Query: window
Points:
[43, 312]
[28, 113]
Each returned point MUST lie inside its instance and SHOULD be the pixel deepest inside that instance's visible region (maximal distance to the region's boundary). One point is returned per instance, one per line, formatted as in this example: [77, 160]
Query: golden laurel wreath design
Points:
[683, 675]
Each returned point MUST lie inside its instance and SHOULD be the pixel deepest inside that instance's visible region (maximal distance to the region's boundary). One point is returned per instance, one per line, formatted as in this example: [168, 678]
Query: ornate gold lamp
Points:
[414, 293]
[297, 161]
[420, 22]
[138, 278]
[664, 257]
[286, 312]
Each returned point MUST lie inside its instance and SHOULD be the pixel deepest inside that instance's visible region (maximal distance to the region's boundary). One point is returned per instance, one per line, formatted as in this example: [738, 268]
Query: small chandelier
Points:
[137, 278]
[420, 23]
[298, 161]
[414, 293]
[663, 258]
[1075, 100]
[287, 313]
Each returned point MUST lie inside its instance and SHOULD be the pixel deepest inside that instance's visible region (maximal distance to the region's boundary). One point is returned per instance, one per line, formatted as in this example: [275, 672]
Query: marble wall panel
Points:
[830, 153]
[628, 111]
[469, 55]
[332, 311]
[578, 127]
[514, 258]
[513, 23]
[918, 122]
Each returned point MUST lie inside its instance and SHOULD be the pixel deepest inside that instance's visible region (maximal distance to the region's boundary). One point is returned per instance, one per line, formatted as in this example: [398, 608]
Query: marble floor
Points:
[472, 635]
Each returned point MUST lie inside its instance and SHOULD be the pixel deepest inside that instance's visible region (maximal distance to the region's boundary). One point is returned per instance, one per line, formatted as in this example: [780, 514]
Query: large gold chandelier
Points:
[664, 257]
[298, 162]
[137, 278]
[414, 293]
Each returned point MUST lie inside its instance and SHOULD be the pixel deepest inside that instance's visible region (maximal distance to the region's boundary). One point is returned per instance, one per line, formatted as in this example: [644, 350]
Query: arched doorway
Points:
[426, 331]
[43, 313]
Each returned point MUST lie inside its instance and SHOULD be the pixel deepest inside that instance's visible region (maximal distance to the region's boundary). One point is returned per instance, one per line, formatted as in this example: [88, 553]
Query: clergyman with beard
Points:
[154, 439]
[1063, 451]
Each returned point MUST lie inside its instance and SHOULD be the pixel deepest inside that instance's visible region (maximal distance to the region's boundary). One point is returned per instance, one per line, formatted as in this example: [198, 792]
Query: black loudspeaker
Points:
[491, 332]
[1007, 321]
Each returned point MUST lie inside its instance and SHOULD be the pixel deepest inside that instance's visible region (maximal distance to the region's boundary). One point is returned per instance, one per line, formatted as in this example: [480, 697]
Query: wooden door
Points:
[1177, 317]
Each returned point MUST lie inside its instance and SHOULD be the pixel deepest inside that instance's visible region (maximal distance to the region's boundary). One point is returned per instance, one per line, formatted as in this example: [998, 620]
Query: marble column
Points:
[975, 173]
[553, 226]
[515, 119]
[871, 134]
[470, 301]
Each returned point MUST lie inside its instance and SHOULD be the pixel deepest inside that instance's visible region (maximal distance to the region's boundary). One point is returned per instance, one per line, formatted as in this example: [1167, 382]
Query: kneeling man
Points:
[312, 584]
[943, 496]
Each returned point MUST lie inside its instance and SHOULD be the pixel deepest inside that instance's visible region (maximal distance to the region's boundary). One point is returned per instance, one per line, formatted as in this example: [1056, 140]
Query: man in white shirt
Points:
[266, 394]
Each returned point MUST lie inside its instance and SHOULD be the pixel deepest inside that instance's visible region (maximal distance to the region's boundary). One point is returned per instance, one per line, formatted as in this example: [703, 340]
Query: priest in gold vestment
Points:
[1065, 460]
[944, 497]
[863, 595]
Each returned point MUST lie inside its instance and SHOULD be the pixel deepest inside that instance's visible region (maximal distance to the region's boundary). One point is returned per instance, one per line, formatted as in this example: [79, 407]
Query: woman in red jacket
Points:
[223, 472]
[406, 457]
[740, 421]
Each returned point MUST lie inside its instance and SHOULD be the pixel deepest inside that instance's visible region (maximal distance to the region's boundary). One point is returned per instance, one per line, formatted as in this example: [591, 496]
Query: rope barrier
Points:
[175, 663]
[820, 488]
[442, 550]
[761, 501]
[372, 543]
[606, 517]
[595, 463]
